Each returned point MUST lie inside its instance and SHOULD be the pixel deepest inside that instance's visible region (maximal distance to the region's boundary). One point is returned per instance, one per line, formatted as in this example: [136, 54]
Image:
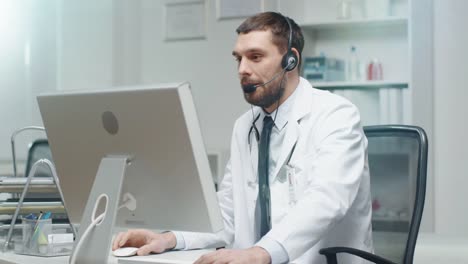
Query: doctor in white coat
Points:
[318, 171]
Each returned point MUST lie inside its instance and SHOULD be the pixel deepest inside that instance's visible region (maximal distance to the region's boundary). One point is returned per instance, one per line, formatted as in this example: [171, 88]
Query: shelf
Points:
[23, 180]
[40, 188]
[390, 225]
[356, 23]
[33, 209]
[359, 85]
[19, 226]
[16, 185]
[389, 219]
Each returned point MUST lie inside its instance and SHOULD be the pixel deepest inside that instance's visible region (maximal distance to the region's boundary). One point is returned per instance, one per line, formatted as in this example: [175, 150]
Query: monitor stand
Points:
[108, 181]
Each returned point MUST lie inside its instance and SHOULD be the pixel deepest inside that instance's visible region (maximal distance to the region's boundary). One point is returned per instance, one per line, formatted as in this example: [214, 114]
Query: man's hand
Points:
[252, 255]
[146, 240]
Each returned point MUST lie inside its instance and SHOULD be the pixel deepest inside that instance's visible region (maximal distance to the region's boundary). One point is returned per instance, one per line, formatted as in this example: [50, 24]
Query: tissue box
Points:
[324, 69]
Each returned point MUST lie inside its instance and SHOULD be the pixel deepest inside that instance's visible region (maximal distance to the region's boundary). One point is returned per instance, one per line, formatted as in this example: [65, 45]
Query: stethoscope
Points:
[254, 128]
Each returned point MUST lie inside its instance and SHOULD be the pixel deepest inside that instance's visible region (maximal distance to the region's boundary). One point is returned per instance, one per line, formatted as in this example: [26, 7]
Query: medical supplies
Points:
[322, 68]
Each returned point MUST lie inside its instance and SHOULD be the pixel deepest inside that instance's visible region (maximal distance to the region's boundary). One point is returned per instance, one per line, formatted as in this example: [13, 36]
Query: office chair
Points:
[39, 149]
[398, 168]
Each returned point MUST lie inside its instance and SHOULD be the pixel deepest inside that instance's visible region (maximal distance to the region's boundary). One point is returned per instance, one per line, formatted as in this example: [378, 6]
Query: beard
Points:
[268, 95]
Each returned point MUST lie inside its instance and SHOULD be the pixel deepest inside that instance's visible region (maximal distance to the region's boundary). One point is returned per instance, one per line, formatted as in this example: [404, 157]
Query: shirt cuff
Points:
[180, 244]
[277, 252]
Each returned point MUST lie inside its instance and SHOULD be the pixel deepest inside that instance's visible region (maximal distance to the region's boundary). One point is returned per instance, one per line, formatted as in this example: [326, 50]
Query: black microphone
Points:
[250, 88]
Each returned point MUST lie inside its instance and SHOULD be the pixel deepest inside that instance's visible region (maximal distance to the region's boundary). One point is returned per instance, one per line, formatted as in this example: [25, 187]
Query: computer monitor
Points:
[155, 125]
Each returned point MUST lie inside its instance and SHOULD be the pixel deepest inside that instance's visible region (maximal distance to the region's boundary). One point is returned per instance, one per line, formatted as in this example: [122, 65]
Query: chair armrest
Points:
[330, 254]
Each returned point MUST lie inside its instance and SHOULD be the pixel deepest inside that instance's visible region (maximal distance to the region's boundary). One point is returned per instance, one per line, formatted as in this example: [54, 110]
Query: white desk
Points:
[12, 258]
[430, 249]
[175, 257]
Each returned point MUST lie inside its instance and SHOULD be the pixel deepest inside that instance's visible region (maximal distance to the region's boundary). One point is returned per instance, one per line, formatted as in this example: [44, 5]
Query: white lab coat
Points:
[331, 182]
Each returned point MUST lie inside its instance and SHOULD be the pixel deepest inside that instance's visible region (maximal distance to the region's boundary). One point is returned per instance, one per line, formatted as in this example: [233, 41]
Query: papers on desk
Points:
[22, 181]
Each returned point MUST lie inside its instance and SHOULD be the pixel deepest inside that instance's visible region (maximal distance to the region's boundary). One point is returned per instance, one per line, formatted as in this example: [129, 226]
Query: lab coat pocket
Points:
[291, 181]
[283, 193]
[301, 175]
[279, 197]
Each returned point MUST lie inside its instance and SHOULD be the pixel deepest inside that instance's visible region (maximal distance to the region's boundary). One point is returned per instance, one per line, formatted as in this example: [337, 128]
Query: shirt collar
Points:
[283, 110]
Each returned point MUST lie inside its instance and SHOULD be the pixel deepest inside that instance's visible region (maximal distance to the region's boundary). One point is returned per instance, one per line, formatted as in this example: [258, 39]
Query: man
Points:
[298, 177]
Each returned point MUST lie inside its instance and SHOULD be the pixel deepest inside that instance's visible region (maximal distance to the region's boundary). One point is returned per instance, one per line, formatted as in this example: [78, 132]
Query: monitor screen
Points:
[158, 128]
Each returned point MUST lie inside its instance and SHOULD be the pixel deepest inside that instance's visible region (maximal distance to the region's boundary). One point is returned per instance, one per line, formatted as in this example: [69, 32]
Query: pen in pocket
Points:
[292, 185]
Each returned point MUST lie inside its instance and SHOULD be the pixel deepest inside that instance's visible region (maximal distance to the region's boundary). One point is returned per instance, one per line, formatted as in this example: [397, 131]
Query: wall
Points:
[450, 116]
[61, 45]
[421, 37]
[206, 63]
[126, 42]
[85, 44]
[27, 67]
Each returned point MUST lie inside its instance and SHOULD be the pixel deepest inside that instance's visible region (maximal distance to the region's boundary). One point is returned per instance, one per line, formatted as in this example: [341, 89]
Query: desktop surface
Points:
[13, 258]
[172, 257]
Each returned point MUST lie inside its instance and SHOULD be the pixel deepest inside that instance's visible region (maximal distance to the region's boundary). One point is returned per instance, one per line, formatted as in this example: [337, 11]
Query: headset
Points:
[288, 62]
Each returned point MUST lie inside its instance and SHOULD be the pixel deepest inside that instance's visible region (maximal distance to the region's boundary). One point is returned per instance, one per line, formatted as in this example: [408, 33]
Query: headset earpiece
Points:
[289, 61]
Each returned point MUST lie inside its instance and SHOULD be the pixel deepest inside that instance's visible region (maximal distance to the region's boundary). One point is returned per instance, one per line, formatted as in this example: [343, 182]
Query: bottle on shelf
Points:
[344, 9]
[374, 70]
[352, 65]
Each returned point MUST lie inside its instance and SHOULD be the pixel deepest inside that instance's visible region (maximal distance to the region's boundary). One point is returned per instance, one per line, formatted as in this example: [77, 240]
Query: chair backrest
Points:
[398, 168]
[39, 149]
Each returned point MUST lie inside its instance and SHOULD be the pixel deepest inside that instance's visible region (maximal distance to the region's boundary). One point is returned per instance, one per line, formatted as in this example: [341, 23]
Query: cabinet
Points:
[384, 38]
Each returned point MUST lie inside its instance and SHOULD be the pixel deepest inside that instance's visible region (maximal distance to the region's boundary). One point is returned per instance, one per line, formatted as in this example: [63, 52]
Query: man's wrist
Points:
[170, 240]
[276, 251]
[262, 255]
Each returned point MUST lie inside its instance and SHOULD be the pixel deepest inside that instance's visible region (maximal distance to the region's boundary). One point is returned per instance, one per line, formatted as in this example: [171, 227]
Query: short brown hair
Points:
[279, 27]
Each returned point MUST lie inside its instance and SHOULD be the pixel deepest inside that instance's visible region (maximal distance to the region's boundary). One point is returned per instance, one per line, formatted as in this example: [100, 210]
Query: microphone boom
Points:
[250, 88]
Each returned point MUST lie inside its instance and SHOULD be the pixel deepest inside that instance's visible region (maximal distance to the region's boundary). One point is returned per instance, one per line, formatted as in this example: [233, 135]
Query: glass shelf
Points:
[356, 23]
[359, 85]
[55, 209]
[40, 188]
[399, 226]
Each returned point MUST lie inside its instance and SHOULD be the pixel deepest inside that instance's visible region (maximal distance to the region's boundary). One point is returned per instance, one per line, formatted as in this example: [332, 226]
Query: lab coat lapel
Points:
[300, 109]
[290, 139]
